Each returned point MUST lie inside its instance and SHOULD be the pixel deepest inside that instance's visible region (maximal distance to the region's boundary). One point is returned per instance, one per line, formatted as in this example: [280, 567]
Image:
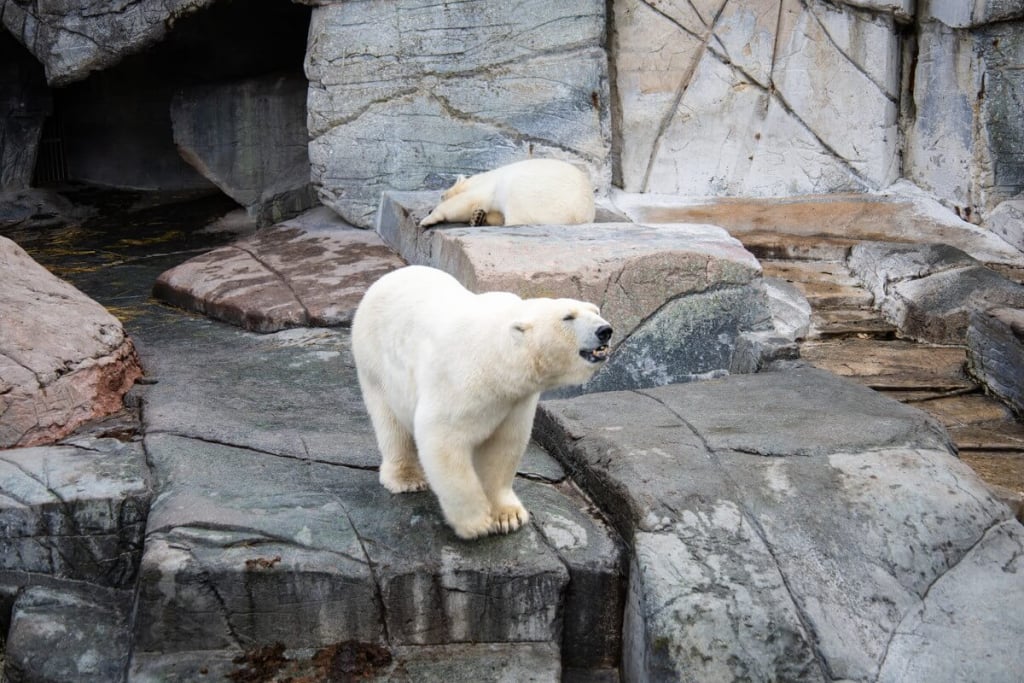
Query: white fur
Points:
[451, 381]
[531, 192]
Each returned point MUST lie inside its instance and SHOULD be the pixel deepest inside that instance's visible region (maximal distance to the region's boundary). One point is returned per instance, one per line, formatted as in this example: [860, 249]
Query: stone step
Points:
[896, 366]
[826, 284]
[850, 322]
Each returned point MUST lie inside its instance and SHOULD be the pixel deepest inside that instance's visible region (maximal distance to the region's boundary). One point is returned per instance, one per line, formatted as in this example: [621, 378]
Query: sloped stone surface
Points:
[73, 513]
[63, 358]
[249, 138]
[392, 108]
[714, 482]
[308, 271]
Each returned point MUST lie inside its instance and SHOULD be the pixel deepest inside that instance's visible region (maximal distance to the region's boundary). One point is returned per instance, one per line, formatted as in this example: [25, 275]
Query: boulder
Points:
[929, 291]
[76, 513]
[308, 271]
[432, 92]
[995, 353]
[249, 138]
[64, 360]
[761, 98]
[1007, 221]
[72, 39]
[792, 525]
[72, 632]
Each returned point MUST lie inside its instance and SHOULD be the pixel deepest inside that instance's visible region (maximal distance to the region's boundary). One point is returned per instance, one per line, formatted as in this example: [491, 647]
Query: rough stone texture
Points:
[71, 39]
[270, 526]
[930, 291]
[965, 141]
[970, 13]
[1007, 221]
[966, 608]
[72, 633]
[249, 138]
[435, 91]
[995, 346]
[764, 98]
[679, 296]
[63, 358]
[308, 271]
[73, 513]
[824, 227]
[25, 103]
[733, 579]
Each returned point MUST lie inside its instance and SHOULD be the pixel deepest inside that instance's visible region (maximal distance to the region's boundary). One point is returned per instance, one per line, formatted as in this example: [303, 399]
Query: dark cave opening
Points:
[114, 129]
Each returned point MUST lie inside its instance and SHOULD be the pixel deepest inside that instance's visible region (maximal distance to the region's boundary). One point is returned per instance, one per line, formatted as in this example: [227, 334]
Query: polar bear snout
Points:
[599, 352]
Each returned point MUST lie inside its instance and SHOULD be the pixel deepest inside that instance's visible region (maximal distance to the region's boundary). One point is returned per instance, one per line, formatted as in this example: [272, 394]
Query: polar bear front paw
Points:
[478, 526]
[399, 480]
[509, 518]
[479, 217]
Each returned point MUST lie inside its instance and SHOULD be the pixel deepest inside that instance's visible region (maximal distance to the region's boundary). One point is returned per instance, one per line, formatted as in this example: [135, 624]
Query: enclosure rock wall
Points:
[436, 90]
[965, 142]
[756, 98]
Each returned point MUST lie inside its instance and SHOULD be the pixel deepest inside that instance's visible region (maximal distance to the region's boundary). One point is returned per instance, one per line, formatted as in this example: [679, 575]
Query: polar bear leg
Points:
[448, 464]
[400, 470]
[497, 460]
[457, 209]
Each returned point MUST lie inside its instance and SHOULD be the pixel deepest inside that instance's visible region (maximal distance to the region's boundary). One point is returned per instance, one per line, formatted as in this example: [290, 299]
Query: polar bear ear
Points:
[521, 327]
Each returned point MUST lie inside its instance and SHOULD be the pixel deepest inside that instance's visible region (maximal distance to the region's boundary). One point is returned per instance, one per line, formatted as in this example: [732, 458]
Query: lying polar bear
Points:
[451, 381]
[531, 192]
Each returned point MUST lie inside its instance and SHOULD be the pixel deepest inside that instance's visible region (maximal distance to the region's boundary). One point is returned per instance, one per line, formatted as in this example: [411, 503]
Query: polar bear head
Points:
[566, 340]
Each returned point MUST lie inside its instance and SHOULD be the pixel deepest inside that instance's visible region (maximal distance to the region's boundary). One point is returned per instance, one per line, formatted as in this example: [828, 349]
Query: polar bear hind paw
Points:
[509, 518]
[479, 217]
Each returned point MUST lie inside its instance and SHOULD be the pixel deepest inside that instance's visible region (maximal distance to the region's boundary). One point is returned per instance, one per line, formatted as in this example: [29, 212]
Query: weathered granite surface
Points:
[72, 633]
[64, 359]
[995, 353]
[249, 138]
[269, 502]
[1007, 221]
[433, 91]
[930, 291]
[72, 39]
[311, 270]
[740, 573]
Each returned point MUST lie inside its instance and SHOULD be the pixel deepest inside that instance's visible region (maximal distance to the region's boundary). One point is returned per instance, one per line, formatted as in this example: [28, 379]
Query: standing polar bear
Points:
[531, 192]
[451, 381]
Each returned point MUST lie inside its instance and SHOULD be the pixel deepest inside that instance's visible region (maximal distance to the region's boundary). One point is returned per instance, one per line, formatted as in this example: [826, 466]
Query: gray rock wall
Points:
[436, 90]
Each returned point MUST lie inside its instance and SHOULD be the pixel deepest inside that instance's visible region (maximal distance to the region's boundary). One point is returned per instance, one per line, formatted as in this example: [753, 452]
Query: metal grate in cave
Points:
[51, 164]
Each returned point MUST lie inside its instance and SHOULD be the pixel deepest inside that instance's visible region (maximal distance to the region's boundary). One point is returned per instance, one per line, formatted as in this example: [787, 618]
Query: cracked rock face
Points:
[433, 91]
[794, 526]
[73, 38]
[64, 360]
[762, 98]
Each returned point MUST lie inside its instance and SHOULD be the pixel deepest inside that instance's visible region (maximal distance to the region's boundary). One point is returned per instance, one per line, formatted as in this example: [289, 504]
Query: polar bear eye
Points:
[570, 316]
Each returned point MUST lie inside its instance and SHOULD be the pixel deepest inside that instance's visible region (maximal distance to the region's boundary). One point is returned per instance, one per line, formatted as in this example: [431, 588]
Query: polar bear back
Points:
[542, 191]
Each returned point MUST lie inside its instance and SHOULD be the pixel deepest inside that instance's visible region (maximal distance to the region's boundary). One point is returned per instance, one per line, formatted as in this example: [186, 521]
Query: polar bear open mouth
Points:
[595, 355]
